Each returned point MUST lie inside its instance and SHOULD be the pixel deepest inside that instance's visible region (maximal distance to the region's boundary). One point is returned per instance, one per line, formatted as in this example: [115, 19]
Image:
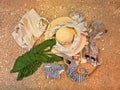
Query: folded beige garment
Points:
[29, 29]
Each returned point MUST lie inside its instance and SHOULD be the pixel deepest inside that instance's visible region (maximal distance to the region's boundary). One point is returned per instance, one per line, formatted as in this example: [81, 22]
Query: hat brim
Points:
[63, 20]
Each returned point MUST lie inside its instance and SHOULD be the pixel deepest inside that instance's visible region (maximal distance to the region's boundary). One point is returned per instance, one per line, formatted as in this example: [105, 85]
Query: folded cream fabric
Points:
[29, 29]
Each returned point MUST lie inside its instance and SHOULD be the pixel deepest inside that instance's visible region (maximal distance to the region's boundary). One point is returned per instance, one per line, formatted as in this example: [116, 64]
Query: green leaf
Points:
[28, 70]
[29, 57]
[54, 57]
[23, 61]
[49, 58]
[29, 62]
[44, 45]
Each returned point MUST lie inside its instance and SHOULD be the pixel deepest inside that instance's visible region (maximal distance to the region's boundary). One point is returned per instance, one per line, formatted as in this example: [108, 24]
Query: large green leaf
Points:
[28, 70]
[29, 62]
[23, 61]
[41, 47]
[49, 58]
[54, 57]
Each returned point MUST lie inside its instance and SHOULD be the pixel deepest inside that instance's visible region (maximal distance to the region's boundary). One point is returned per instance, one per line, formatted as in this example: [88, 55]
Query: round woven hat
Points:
[79, 40]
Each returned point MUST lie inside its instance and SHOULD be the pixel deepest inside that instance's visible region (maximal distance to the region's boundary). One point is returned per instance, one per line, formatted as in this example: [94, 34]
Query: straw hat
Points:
[64, 25]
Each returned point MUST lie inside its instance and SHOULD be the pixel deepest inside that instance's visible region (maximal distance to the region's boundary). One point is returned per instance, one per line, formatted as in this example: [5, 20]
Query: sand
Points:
[106, 76]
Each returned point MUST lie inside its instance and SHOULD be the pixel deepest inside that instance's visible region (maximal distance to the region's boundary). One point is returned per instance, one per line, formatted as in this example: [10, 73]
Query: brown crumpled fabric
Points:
[29, 29]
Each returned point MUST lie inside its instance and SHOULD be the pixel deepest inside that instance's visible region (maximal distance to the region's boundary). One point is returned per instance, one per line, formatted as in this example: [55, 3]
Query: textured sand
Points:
[106, 77]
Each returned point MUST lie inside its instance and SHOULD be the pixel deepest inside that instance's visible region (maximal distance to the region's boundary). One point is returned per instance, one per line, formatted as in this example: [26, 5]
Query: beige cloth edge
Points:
[29, 29]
